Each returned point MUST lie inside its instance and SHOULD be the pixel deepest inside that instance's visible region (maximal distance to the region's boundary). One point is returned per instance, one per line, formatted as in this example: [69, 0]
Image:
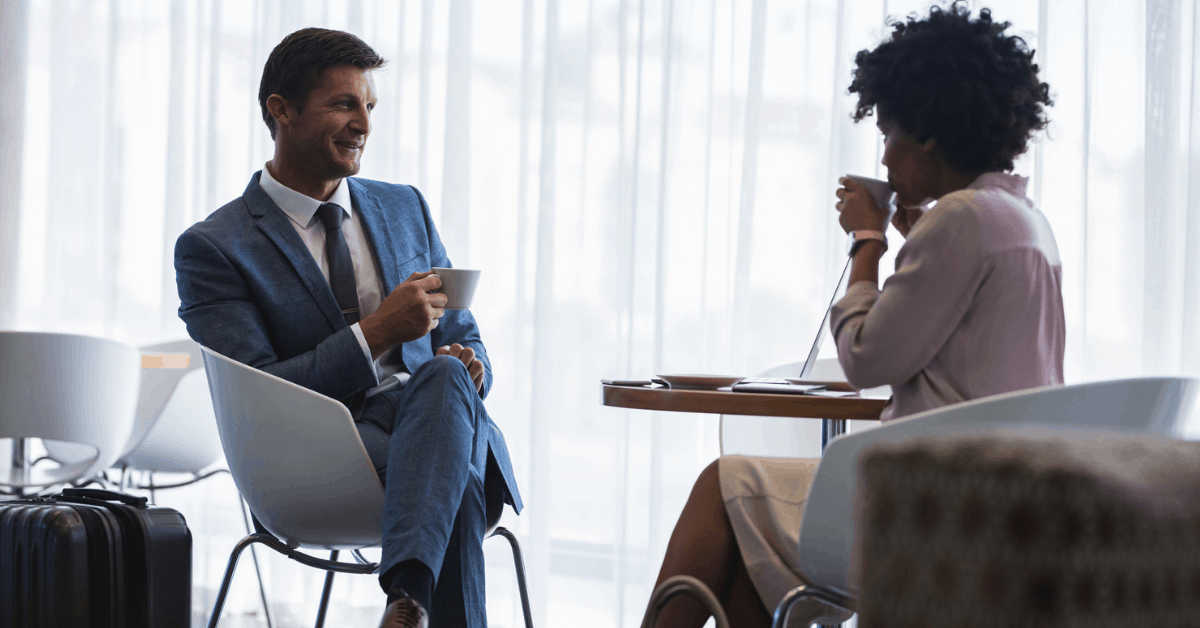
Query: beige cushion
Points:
[1059, 530]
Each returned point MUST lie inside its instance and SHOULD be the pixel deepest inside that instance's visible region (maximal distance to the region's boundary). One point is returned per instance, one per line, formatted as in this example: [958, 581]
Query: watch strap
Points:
[859, 236]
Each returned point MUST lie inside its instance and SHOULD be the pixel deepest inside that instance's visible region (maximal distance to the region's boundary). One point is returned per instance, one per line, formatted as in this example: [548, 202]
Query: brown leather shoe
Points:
[404, 613]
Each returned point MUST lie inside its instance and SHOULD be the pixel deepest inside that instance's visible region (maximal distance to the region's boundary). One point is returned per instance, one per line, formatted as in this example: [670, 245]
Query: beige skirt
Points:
[765, 499]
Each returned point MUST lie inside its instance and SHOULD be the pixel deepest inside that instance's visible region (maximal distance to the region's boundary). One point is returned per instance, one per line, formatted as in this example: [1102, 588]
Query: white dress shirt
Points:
[301, 210]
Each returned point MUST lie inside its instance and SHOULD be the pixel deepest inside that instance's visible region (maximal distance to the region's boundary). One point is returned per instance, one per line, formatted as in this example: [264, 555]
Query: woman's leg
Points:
[743, 601]
[703, 546]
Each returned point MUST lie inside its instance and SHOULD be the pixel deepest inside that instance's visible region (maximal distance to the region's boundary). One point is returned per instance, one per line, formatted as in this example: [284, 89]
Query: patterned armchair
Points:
[1064, 530]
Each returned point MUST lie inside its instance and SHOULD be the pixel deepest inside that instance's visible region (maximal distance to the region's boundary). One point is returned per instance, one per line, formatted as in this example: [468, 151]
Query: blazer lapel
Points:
[275, 225]
[379, 227]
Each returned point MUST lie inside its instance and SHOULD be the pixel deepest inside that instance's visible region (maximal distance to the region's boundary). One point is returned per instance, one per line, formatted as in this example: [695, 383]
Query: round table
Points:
[834, 411]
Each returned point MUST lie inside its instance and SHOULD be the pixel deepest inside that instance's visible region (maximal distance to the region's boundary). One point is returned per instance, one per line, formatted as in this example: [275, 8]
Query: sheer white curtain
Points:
[647, 185]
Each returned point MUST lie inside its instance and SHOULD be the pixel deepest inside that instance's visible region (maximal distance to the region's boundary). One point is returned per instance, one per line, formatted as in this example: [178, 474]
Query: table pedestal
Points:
[831, 429]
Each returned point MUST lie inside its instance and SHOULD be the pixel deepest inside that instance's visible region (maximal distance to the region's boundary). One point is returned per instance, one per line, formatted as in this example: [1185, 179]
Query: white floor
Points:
[283, 616]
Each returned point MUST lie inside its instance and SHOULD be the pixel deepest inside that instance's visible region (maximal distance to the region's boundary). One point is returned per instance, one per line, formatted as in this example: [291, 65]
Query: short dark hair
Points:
[963, 82]
[296, 63]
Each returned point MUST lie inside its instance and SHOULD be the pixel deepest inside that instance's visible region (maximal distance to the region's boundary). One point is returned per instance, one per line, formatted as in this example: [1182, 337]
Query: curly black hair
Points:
[963, 82]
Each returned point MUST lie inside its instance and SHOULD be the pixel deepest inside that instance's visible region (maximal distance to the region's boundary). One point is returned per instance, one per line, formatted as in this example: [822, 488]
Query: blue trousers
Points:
[428, 442]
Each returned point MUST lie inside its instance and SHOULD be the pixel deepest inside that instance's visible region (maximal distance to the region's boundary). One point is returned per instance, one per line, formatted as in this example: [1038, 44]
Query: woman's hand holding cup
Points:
[860, 209]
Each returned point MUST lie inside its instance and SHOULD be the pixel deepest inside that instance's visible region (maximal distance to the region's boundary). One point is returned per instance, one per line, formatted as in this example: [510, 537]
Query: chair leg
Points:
[300, 557]
[684, 585]
[20, 462]
[325, 594]
[520, 566]
[262, 590]
[224, 591]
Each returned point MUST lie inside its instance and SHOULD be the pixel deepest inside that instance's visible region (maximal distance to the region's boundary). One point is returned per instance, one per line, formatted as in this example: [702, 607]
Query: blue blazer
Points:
[249, 289]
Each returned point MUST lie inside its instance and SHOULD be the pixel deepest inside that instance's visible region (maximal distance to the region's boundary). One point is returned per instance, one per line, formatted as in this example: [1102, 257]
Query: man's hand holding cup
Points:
[409, 312]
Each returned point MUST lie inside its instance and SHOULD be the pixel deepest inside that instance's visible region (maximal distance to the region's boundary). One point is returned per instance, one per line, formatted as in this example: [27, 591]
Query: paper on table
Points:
[831, 393]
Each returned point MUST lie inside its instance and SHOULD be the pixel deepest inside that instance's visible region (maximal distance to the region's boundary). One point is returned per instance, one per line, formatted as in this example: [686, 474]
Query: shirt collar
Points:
[300, 208]
[1012, 183]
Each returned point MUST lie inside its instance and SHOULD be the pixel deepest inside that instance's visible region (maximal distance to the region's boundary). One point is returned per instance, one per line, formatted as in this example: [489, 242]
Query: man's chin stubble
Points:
[337, 171]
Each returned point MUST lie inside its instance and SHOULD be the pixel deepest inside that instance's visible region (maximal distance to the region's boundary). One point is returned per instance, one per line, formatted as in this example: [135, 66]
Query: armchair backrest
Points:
[296, 458]
[1158, 405]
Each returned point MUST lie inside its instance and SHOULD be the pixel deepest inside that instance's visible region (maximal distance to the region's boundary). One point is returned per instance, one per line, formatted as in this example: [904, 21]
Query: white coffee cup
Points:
[458, 284]
[881, 190]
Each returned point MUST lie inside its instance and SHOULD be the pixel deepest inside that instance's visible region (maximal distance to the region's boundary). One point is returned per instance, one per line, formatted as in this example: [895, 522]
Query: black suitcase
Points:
[90, 557]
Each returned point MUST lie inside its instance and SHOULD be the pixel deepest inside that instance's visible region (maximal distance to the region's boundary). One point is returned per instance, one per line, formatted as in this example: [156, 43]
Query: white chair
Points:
[63, 387]
[296, 458]
[174, 429]
[1137, 406]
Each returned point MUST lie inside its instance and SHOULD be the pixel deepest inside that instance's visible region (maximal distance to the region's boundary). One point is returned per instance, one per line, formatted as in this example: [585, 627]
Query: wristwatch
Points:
[862, 235]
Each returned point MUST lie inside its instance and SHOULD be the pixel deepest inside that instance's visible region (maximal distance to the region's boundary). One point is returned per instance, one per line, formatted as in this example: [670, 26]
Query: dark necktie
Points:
[341, 269]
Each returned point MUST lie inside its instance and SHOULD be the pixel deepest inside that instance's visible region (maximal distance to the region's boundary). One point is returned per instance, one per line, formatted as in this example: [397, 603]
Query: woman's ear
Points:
[928, 145]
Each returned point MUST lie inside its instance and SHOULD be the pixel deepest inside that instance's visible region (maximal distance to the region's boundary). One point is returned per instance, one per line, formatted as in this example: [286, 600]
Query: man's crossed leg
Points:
[429, 444]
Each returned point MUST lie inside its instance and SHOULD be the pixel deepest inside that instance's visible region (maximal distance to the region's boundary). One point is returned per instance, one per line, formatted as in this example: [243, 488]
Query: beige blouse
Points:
[974, 308]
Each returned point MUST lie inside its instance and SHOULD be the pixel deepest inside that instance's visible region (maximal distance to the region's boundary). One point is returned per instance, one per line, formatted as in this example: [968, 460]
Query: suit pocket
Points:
[418, 264]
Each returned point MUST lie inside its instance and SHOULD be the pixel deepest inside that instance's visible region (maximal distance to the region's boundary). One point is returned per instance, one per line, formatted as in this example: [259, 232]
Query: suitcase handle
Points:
[108, 496]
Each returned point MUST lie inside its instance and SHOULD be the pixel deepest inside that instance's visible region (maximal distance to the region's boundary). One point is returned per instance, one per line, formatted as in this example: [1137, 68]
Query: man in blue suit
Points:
[324, 280]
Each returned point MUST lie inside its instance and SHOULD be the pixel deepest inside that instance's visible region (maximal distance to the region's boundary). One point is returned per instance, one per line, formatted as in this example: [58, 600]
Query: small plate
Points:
[700, 382]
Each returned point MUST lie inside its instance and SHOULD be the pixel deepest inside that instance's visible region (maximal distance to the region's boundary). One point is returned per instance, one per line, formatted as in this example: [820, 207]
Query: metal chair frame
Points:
[360, 566]
[807, 592]
[683, 585]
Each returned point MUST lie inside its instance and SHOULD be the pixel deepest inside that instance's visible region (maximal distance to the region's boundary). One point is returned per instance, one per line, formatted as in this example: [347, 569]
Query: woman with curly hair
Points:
[974, 307]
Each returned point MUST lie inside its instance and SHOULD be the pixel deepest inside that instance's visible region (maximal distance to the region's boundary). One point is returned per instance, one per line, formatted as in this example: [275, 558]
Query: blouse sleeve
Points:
[887, 336]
